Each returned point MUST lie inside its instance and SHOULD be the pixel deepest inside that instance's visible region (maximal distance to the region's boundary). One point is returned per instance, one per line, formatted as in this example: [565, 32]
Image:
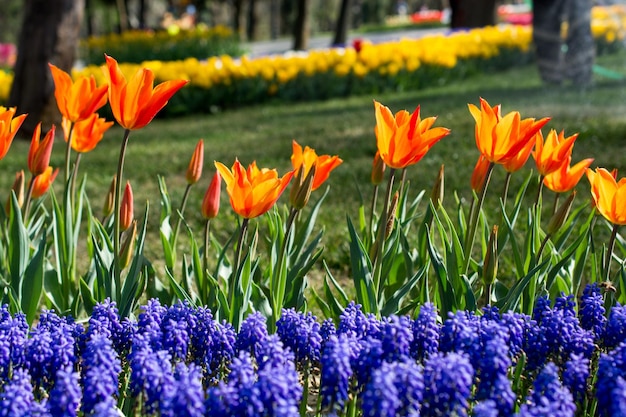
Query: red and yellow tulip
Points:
[609, 195]
[40, 150]
[135, 102]
[566, 177]
[404, 138]
[552, 153]
[77, 100]
[501, 138]
[43, 181]
[9, 125]
[194, 169]
[86, 133]
[307, 158]
[252, 191]
[211, 200]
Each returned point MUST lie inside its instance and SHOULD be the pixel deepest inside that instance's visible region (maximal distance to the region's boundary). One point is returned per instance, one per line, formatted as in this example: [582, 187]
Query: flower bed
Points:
[435, 327]
[137, 46]
[225, 81]
[180, 361]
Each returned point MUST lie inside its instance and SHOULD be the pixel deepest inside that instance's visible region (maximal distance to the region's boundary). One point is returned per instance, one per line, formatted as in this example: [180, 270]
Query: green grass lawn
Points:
[345, 127]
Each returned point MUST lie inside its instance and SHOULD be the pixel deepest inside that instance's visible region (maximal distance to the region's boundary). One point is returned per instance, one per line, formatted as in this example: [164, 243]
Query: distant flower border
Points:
[364, 68]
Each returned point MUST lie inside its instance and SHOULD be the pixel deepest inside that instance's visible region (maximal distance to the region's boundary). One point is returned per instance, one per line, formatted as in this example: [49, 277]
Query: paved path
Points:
[283, 45]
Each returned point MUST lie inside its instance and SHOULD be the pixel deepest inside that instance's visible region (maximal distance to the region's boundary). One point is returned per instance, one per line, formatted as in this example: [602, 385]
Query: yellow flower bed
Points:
[385, 58]
[338, 71]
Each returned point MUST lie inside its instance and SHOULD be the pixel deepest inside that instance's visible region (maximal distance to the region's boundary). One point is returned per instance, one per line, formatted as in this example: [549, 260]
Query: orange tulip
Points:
[306, 158]
[126, 208]
[404, 139]
[253, 191]
[136, 102]
[87, 133]
[43, 182]
[500, 138]
[609, 195]
[40, 150]
[77, 100]
[516, 163]
[211, 201]
[554, 152]
[194, 170]
[565, 178]
[9, 126]
[479, 173]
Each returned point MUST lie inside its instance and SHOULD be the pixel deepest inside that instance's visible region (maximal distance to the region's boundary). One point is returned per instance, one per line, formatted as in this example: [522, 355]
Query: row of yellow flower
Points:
[380, 64]
[388, 58]
[137, 46]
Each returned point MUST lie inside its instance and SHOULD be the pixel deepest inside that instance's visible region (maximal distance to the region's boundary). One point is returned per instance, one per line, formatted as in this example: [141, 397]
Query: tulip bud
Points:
[479, 174]
[301, 188]
[378, 169]
[126, 208]
[128, 245]
[560, 216]
[436, 197]
[194, 170]
[18, 189]
[43, 182]
[490, 264]
[40, 151]
[211, 201]
[109, 200]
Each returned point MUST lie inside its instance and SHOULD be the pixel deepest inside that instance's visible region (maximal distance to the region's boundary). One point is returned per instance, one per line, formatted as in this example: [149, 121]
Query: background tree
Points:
[472, 13]
[301, 25]
[50, 33]
[343, 23]
[252, 22]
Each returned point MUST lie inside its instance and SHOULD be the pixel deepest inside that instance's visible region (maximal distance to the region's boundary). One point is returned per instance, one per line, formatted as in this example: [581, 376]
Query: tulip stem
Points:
[474, 216]
[402, 181]
[542, 247]
[609, 252]
[68, 151]
[505, 190]
[205, 263]
[380, 234]
[74, 174]
[539, 189]
[179, 215]
[29, 195]
[236, 276]
[116, 220]
[373, 211]
[556, 203]
[280, 280]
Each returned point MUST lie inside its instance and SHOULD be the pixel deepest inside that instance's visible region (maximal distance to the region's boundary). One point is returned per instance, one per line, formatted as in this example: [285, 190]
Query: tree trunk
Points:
[301, 26]
[343, 22]
[274, 19]
[49, 34]
[472, 13]
[122, 13]
[89, 17]
[251, 24]
[143, 12]
[238, 18]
